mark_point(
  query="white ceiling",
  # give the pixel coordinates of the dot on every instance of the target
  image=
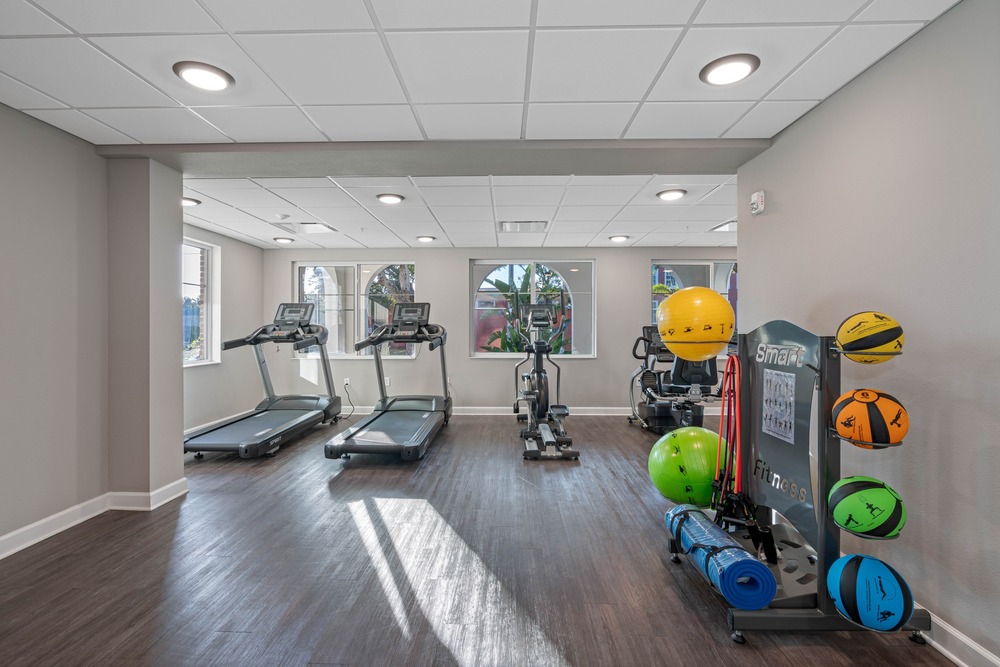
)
(440, 71)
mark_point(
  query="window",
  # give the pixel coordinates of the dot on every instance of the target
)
(352, 299)
(498, 286)
(667, 278)
(198, 319)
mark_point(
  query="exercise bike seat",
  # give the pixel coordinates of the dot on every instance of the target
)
(558, 411)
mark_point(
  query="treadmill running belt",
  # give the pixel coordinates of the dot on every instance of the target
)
(392, 428)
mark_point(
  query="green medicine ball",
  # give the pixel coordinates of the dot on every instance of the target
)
(867, 507)
(683, 465)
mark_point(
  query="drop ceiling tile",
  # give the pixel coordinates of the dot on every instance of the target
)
(444, 181)
(724, 195)
(521, 240)
(409, 231)
(634, 227)
(711, 240)
(391, 216)
(222, 215)
(577, 226)
(777, 11)
(578, 121)
(620, 12)
(153, 58)
(660, 213)
(528, 195)
(81, 125)
(344, 216)
(685, 120)
(315, 197)
(463, 214)
(400, 184)
(689, 226)
(472, 240)
(16, 95)
(321, 69)
(404, 14)
(386, 240)
(622, 179)
(279, 214)
(293, 182)
(466, 196)
(121, 16)
(586, 213)
(366, 122)
(525, 213)
(567, 240)
(696, 186)
(597, 65)
(471, 121)
(208, 184)
(447, 67)
(30, 60)
(780, 49)
(599, 195)
(160, 126)
(665, 239)
(240, 15)
(698, 213)
(20, 18)
(768, 118)
(851, 51)
(531, 180)
(368, 196)
(331, 240)
(905, 10)
(261, 124)
(246, 198)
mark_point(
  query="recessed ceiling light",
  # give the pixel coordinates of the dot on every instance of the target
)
(425, 239)
(189, 201)
(729, 69)
(389, 198)
(574, 269)
(206, 77)
(619, 238)
(671, 195)
(283, 239)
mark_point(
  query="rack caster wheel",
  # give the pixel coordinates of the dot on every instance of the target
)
(738, 637)
(917, 638)
(199, 455)
(675, 558)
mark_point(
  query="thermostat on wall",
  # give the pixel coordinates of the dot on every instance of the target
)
(757, 203)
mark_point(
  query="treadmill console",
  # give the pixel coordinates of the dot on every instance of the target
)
(409, 317)
(290, 318)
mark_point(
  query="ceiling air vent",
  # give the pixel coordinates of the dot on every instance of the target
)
(305, 227)
(518, 226)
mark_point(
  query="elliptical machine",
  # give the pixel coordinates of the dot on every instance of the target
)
(544, 436)
(669, 400)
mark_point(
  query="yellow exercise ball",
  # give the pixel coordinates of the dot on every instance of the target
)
(695, 323)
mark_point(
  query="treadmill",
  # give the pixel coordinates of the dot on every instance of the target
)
(403, 425)
(276, 419)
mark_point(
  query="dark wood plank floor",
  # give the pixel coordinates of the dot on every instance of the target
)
(471, 556)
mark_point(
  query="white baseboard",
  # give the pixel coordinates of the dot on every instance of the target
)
(958, 648)
(22, 538)
(508, 410)
(145, 502)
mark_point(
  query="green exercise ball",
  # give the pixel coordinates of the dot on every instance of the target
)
(683, 464)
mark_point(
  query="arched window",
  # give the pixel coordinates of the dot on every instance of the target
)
(499, 288)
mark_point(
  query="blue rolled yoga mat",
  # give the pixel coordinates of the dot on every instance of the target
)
(744, 581)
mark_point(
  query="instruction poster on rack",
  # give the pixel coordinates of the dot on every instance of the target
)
(778, 406)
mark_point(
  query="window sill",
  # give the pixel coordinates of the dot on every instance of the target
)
(198, 364)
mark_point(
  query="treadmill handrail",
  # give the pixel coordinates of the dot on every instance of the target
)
(252, 339)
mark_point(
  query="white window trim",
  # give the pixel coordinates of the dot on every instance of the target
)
(359, 305)
(213, 288)
(474, 289)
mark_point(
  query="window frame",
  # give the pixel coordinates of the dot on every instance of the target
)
(359, 303)
(211, 315)
(591, 322)
(714, 278)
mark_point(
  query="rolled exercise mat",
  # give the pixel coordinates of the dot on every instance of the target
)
(744, 581)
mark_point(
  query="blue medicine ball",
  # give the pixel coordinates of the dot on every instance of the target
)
(869, 593)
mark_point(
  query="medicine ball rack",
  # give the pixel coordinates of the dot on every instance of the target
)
(791, 459)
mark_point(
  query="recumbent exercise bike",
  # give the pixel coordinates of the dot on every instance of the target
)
(669, 400)
(544, 436)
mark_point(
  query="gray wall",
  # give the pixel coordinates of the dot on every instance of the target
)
(53, 294)
(622, 300)
(884, 197)
(218, 390)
